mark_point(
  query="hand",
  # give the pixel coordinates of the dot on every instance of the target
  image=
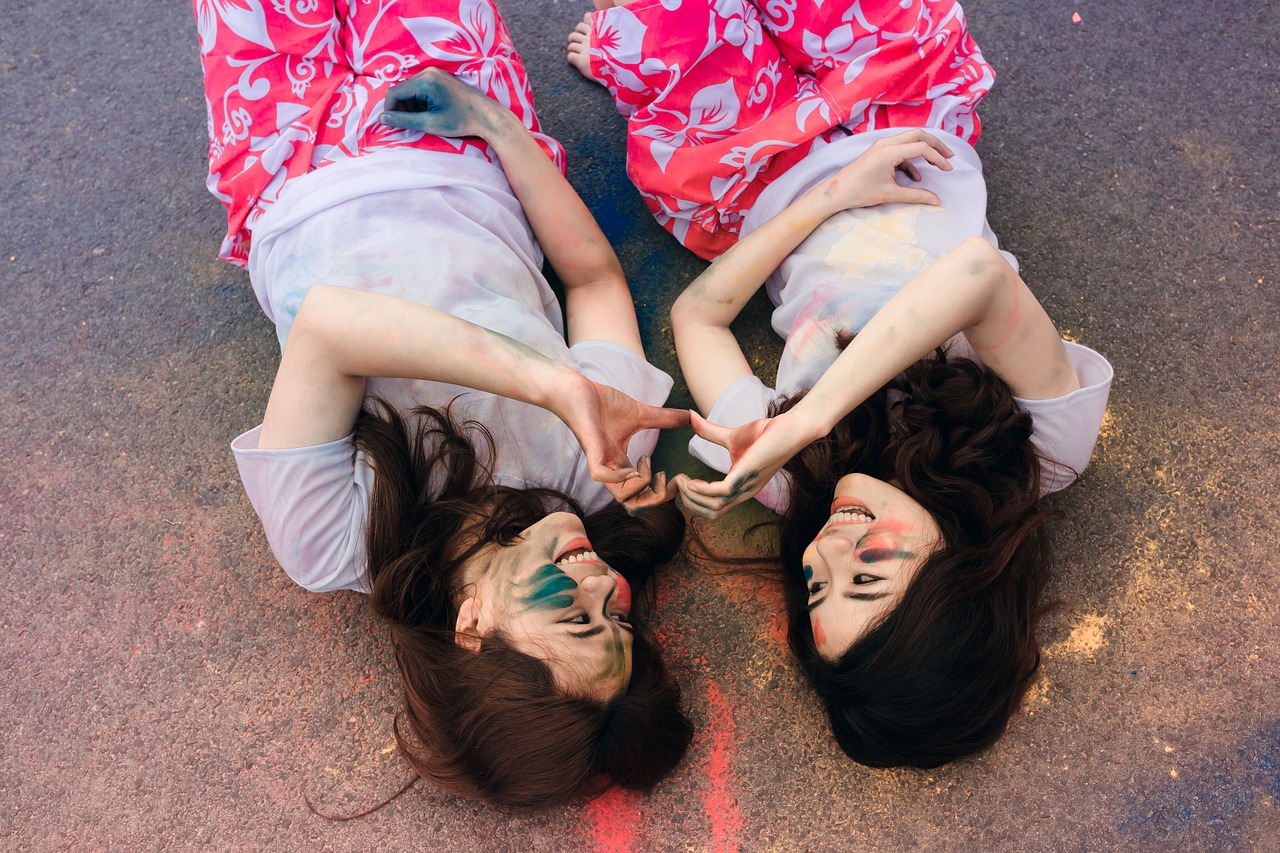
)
(603, 419)
(872, 178)
(646, 489)
(757, 451)
(439, 103)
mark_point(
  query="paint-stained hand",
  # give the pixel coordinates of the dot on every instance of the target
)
(645, 490)
(872, 178)
(439, 103)
(604, 419)
(757, 451)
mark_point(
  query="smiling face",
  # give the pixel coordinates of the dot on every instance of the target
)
(556, 600)
(863, 559)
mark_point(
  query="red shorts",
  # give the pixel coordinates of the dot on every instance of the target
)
(294, 86)
(723, 96)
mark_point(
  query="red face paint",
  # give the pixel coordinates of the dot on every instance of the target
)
(819, 635)
(622, 595)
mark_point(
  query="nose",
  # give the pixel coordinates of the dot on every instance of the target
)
(833, 549)
(601, 582)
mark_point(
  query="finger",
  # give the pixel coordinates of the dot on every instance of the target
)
(908, 195)
(607, 474)
(403, 120)
(697, 507)
(704, 428)
(654, 417)
(927, 152)
(918, 135)
(910, 170)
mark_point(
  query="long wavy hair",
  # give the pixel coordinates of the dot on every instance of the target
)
(492, 724)
(939, 676)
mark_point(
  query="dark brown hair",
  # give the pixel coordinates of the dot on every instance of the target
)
(941, 674)
(492, 724)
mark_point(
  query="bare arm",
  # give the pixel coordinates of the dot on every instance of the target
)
(973, 290)
(599, 305)
(342, 336)
(710, 357)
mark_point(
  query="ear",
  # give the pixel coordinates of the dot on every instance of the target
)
(467, 630)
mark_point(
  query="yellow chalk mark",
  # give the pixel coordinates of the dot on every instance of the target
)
(1087, 637)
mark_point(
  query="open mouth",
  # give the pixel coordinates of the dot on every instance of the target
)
(577, 551)
(847, 511)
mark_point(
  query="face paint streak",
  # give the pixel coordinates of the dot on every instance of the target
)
(879, 555)
(808, 574)
(551, 589)
(819, 635)
(622, 596)
(615, 659)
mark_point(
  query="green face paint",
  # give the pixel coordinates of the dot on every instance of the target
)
(614, 668)
(548, 588)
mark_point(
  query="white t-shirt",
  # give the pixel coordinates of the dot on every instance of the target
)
(444, 231)
(853, 264)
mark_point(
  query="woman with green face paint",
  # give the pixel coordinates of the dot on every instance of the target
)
(439, 434)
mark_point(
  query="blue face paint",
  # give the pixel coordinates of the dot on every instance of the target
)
(808, 574)
(549, 589)
(876, 555)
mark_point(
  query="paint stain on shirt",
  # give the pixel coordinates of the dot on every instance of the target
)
(868, 243)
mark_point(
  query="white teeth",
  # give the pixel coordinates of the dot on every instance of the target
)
(851, 514)
(584, 557)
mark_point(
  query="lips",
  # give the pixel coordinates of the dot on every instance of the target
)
(576, 551)
(853, 507)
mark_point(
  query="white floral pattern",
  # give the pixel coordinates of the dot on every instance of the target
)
(713, 119)
(292, 86)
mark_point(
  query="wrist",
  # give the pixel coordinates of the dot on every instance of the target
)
(810, 420)
(552, 385)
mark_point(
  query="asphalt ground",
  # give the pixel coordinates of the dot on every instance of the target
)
(165, 686)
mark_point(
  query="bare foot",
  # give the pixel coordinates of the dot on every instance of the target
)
(579, 47)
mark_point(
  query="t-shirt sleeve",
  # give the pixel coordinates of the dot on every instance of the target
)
(618, 367)
(1065, 429)
(313, 502)
(742, 402)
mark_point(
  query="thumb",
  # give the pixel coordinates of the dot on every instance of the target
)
(403, 120)
(714, 433)
(654, 417)
(910, 195)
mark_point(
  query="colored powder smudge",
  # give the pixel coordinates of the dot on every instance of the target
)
(615, 820)
(719, 802)
(551, 589)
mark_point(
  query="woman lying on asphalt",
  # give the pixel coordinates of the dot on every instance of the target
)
(419, 442)
(924, 401)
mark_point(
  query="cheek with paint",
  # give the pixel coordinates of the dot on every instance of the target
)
(819, 635)
(622, 596)
(547, 589)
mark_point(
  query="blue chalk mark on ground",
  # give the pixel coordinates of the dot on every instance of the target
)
(1212, 808)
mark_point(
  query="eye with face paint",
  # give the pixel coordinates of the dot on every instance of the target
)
(555, 599)
(860, 564)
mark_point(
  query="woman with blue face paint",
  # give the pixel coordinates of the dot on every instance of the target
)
(924, 400)
(437, 435)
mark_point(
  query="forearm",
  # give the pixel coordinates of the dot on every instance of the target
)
(341, 336)
(710, 356)
(716, 297)
(969, 286)
(565, 228)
